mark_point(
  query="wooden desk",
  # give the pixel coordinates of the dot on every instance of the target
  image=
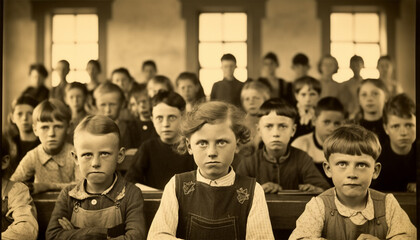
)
(284, 208)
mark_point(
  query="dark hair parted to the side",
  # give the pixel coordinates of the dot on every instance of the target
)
(149, 63)
(65, 62)
(352, 140)
(50, 110)
(273, 57)
(95, 63)
(170, 98)
(329, 104)
(313, 83)
(122, 71)
(300, 59)
(138, 89)
(280, 106)
(108, 87)
(24, 100)
(163, 80)
(325, 57)
(76, 85)
(356, 59)
(98, 125)
(40, 68)
(401, 106)
(213, 112)
(228, 57)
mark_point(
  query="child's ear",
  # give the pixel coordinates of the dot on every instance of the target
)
(377, 170)
(34, 129)
(121, 155)
(188, 144)
(11, 118)
(74, 155)
(293, 129)
(386, 128)
(327, 169)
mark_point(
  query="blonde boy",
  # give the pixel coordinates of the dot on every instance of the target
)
(351, 210)
(103, 205)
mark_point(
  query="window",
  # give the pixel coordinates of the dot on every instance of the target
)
(355, 34)
(75, 39)
(221, 33)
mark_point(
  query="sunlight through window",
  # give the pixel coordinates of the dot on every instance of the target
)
(221, 33)
(75, 39)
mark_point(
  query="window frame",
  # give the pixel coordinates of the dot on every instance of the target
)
(255, 10)
(42, 12)
(388, 10)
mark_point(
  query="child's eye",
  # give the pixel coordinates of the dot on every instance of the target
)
(105, 154)
(202, 143)
(87, 155)
(269, 126)
(44, 127)
(326, 122)
(173, 118)
(341, 164)
(283, 126)
(159, 118)
(361, 165)
(222, 143)
(395, 126)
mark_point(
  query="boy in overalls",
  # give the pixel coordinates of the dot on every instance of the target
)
(351, 210)
(103, 205)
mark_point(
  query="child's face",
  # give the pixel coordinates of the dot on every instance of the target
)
(187, 89)
(385, 67)
(269, 67)
(36, 79)
(327, 122)
(166, 120)
(148, 72)
(300, 70)
(154, 87)
(122, 80)
(356, 66)
(52, 135)
(62, 70)
(109, 104)
(371, 98)
(132, 106)
(22, 117)
(276, 131)
(141, 105)
(228, 68)
(307, 97)
(97, 156)
(252, 100)
(213, 148)
(401, 131)
(92, 71)
(351, 174)
(328, 66)
(75, 99)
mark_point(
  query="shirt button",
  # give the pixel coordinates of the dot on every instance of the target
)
(94, 202)
(144, 127)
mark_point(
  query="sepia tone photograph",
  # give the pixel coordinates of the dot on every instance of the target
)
(209, 119)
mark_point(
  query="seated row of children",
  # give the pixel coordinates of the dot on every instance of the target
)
(213, 202)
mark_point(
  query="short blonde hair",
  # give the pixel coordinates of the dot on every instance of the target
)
(50, 110)
(258, 86)
(98, 125)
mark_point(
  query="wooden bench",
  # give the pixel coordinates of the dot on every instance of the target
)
(284, 208)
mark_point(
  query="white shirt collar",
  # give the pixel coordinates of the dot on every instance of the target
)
(366, 214)
(227, 180)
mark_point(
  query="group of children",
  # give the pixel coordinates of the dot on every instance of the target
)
(213, 160)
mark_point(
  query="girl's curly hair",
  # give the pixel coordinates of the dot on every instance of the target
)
(212, 113)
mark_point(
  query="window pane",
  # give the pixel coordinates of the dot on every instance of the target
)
(343, 74)
(238, 50)
(366, 27)
(80, 75)
(210, 27)
(370, 54)
(234, 27)
(84, 52)
(369, 73)
(210, 54)
(341, 27)
(208, 77)
(63, 28)
(241, 74)
(63, 51)
(342, 52)
(87, 28)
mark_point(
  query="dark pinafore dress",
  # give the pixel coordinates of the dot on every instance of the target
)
(207, 212)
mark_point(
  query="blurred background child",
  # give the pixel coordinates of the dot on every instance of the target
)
(157, 83)
(327, 67)
(300, 65)
(37, 77)
(348, 89)
(75, 97)
(148, 71)
(189, 87)
(18, 213)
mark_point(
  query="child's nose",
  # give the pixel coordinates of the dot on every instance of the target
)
(51, 132)
(166, 122)
(96, 162)
(351, 173)
(212, 151)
